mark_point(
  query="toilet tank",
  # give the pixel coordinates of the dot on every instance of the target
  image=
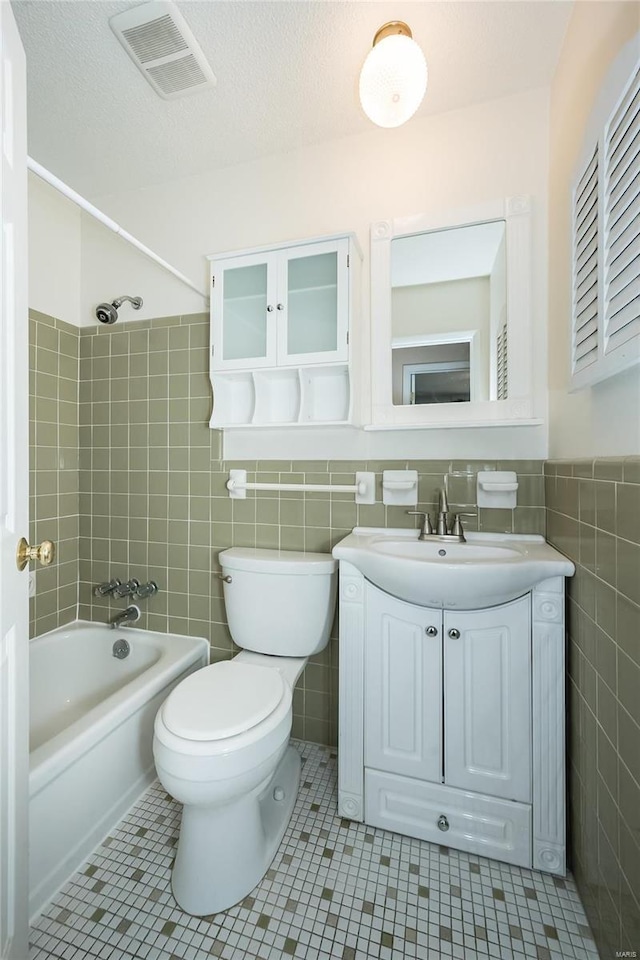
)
(279, 602)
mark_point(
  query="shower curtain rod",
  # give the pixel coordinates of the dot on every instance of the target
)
(106, 221)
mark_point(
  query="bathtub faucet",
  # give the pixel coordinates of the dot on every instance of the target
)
(127, 589)
(130, 615)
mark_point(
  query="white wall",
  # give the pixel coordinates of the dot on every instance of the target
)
(54, 253)
(450, 307)
(454, 160)
(449, 161)
(111, 267)
(603, 420)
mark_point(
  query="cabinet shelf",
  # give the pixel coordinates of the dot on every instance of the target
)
(295, 396)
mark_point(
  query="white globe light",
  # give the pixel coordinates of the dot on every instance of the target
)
(393, 81)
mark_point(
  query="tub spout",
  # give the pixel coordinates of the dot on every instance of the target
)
(130, 615)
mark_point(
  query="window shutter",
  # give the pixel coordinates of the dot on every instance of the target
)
(622, 220)
(585, 267)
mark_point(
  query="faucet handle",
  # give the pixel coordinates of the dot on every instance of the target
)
(127, 589)
(427, 527)
(104, 589)
(147, 589)
(456, 529)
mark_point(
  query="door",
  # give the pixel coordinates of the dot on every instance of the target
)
(403, 687)
(243, 312)
(14, 486)
(487, 700)
(312, 311)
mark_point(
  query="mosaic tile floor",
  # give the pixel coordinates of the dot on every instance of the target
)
(336, 889)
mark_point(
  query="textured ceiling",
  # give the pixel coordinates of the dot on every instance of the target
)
(287, 76)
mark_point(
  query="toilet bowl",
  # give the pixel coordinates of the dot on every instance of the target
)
(221, 739)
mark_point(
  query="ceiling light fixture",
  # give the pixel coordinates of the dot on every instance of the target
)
(393, 79)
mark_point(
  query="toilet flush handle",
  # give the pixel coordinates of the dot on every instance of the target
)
(226, 579)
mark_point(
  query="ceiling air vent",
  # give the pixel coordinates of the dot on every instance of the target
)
(158, 40)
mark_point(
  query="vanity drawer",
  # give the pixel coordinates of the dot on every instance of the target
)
(478, 824)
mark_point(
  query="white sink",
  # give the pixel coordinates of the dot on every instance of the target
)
(486, 570)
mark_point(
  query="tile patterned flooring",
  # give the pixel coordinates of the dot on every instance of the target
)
(336, 889)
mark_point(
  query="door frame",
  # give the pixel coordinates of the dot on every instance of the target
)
(14, 496)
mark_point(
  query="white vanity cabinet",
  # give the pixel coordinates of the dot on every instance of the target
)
(487, 700)
(403, 699)
(452, 721)
(280, 334)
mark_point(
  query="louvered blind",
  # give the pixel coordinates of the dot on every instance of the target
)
(502, 363)
(585, 267)
(622, 220)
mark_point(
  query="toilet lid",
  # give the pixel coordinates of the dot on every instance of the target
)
(222, 700)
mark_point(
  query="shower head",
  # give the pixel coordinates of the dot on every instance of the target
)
(108, 312)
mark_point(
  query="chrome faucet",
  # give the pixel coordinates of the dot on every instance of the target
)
(130, 615)
(442, 531)
(443, 510)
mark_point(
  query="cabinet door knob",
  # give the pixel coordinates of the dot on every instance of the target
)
(454, 634)
(281, 306)
(270, 308)
(443, 823)
(431, 631)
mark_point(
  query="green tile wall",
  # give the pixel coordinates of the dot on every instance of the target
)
(127, 478)
(53, 450)
(154, 505)
(594, 518)
(149, 490)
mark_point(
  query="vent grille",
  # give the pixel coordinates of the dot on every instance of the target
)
(159, 38)
(160, 43)
(585, 267)
(622, 220)
(178, 75)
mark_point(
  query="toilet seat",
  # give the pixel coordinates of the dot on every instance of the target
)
(223, 700)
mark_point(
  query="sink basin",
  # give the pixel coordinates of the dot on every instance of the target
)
(486, 570)
(436, 552)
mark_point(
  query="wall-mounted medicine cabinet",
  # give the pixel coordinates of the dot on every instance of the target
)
(280, 332)
(451, 326)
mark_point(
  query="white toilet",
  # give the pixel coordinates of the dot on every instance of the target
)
(221, 738)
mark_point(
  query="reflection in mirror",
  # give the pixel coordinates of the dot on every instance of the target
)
(449, 315)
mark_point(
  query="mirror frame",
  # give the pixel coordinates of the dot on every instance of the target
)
(516, 212)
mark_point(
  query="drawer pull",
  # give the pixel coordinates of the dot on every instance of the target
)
(443, 823)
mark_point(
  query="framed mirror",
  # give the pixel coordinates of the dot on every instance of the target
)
(451, 318)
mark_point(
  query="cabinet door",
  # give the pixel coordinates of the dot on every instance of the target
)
(313, 303)
(403, 687)
(243, 312)
(487, 700)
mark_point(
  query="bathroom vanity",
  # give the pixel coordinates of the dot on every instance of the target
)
(452, 708)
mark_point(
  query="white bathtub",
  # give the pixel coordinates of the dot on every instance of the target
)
(91, 737)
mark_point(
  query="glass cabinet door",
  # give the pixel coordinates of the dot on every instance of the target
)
(312, 308)
(242, 308)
